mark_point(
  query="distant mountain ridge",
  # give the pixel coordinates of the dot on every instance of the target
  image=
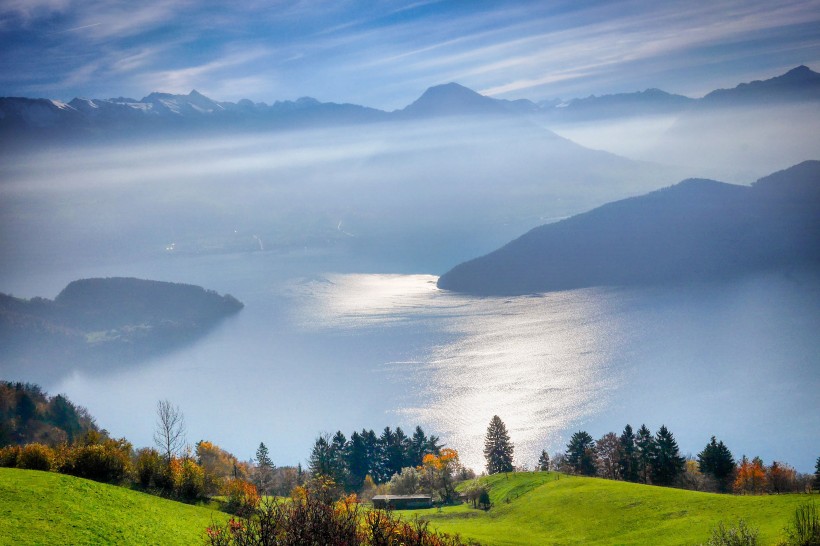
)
(697, 230)
(20, 114)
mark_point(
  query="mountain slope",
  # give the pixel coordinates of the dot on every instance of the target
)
(695, 230)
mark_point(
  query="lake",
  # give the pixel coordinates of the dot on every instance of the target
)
(325, 344)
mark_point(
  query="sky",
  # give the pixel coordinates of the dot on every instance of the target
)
(384, 54)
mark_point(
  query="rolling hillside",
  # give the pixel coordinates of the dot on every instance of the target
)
(48, 508)
(545, 508)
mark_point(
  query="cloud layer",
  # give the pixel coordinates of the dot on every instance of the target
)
(384, 54)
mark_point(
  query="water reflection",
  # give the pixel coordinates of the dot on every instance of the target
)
(541, 363)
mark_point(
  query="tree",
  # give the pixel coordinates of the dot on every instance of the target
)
(498, 450)
(320, 462)
(169, 430)
(751, 476)
(608, 451)
(264, 468)
(544, 461)
(645, 447)
(716, 461)
(357, 463)
(667, 463)
(817, 474)
(781, 477)
(580, 454)
(338, 458)
(628, 455)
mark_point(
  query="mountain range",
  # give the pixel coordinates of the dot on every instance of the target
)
(697, 230)
(40, 116)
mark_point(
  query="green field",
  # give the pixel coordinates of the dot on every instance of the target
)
(528, 508)
(544, 508)
(54, 509)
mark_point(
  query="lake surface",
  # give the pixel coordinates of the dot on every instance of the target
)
(320, 347)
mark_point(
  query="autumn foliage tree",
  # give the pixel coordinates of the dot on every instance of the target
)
(751, 477)
(439, 473)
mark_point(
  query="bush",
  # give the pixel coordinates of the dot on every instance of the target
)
(742, 535)
(243, 498)
(309, 519)
(148, 467)
(109, 462)
(9, 456)
(36, 457)
(190, 481)
(805, 526)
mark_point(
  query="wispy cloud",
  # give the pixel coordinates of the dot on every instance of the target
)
(382, 53)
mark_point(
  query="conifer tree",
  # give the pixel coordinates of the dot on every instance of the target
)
(645, 447)
(628, 461)
(264, 468)
(817, 474)
(498, 450)
(716, 460)
(667, 464)
(357, 463)
(263, 456)
(544, 461)
(320, 462)
(581, 454)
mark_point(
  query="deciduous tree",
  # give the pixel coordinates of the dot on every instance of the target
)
(608, 451)
(169, 430)
(751, 476)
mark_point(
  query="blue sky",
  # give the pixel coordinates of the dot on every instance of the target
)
(386, 53)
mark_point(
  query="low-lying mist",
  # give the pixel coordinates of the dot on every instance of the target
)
(738, 144)
(417, 196)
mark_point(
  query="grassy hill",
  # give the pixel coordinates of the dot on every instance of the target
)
(545, 508)
(48, 508)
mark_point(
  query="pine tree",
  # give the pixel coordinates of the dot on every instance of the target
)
(667, 464)
(498, 450)
(263, 457)
(645, 447)
(716, 460)
(544, 461)
(628, 461)
(264, 468)
(338, 459)
(817, 475)
(357, 463)
(320, 462)
(581, 454)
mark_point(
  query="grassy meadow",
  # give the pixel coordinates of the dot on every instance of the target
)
(51, 509)
(529, 508)
(542, 508)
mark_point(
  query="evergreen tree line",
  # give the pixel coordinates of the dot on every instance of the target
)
(349, 461)
(642, 457)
